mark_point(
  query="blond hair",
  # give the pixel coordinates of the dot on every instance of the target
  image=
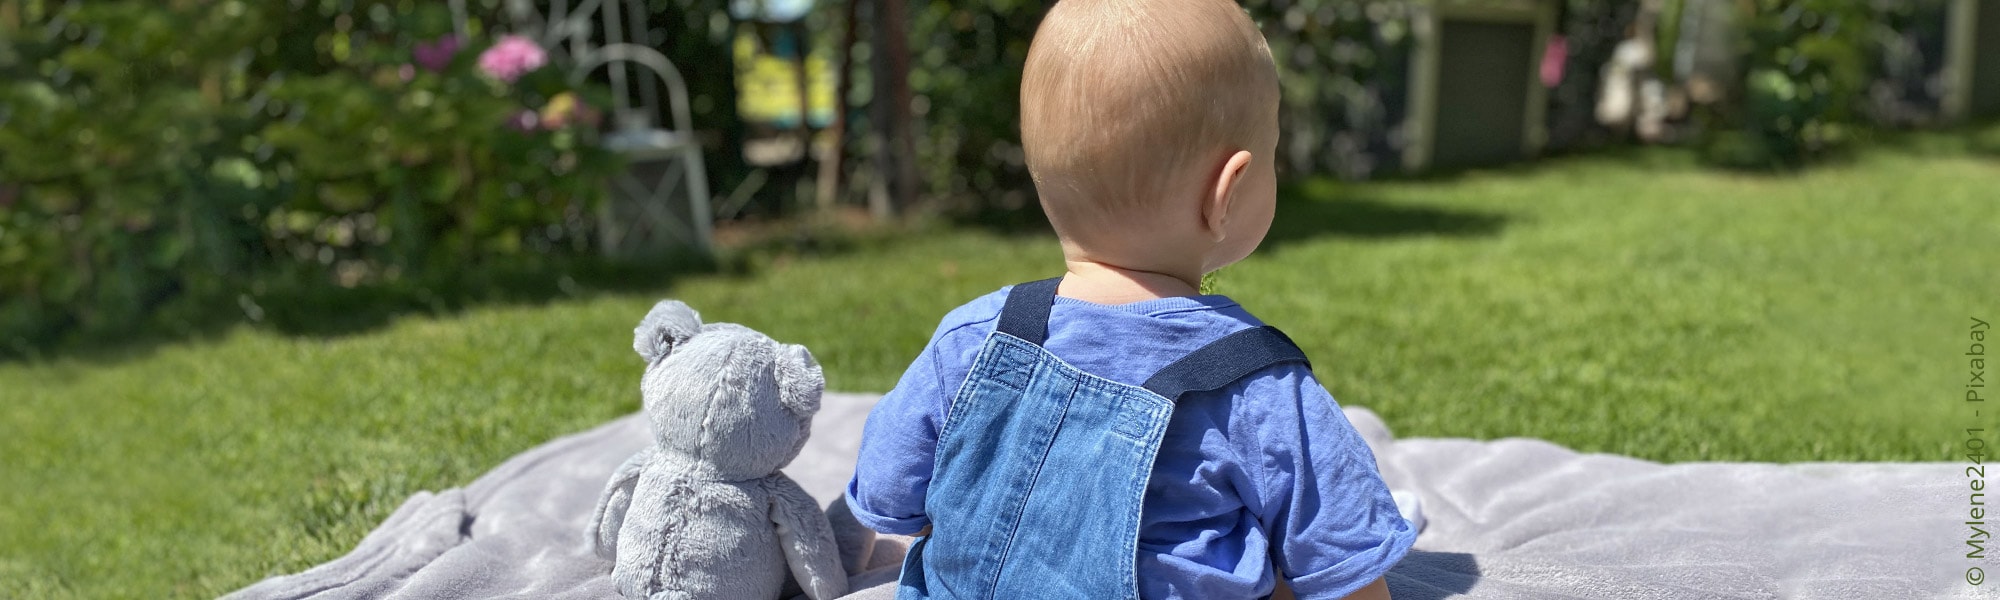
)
(1118, 94)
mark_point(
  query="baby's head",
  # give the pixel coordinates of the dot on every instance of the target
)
(1149, 127)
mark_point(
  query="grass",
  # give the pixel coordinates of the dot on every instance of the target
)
(1632, 304)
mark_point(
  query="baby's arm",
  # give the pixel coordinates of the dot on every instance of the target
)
(898, 449)
(1334, 528)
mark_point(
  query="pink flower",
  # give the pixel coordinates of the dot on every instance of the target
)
(435, 55)
(510, 57)
(406, 73)
(1554, 57)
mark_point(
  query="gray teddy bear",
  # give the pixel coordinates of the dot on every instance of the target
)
(704, 512)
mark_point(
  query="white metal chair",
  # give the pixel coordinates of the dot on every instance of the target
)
(665, 158)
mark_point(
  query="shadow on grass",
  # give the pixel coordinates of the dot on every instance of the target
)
(308, 303)
(1322, 208)
(1363, 218)
(321, 309)
(1306, 209)
(1975, 139)
(1980, 139)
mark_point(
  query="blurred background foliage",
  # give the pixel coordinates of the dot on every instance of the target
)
(1344, 68)
(1810, 67)
(965, 75)
(1814, 73)
(165, 157)
(167, 163)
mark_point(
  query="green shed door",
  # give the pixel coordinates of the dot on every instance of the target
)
(1985, 101)
(1482, 94)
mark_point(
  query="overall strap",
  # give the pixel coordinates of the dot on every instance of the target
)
(1226, 360)
(1026, 314)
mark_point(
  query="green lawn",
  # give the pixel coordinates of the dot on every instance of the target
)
(1635, 305)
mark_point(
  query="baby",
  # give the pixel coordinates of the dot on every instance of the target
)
(1113, 433)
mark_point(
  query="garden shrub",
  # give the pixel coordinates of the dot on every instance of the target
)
(1809, 67)
(1344, 70)
(161, 153)
(1342, 63)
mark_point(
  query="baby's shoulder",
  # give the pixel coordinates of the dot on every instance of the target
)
(979, 313)
(1279, 396)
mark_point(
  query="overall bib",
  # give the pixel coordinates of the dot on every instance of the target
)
(1041, 467)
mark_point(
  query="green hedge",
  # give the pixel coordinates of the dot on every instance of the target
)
(162, 156)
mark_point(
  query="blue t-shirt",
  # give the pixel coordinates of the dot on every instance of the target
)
(1264, 472)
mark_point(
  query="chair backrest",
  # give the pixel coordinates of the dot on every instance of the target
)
(615, 44)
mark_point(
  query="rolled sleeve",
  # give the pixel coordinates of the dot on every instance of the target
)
(885, 524)
(1358, 570)
(898, 451)
(1334, 525)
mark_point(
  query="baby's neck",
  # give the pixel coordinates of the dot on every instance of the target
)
(1105, 283)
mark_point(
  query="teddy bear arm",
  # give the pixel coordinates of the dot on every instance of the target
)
(806, 538)
(612, 504)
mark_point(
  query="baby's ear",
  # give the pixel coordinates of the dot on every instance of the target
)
(800, 381)
(667, 326)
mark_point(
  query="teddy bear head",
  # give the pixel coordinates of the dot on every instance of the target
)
(723, 399)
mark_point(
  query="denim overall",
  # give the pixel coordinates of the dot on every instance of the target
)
(1041, 467)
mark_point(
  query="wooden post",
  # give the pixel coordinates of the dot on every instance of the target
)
(10, 17)
(797, 31)
(905, 132)
(830, 167)
(895, 164)
(1960, 26)
(1421, 117)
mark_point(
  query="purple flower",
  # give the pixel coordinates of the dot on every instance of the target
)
(523, 121)
(436, 54)
(510, 57)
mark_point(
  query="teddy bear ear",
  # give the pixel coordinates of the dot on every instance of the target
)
(800, 381)
(670, 324)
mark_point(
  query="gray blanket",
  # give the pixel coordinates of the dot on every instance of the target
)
(1510, 518)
